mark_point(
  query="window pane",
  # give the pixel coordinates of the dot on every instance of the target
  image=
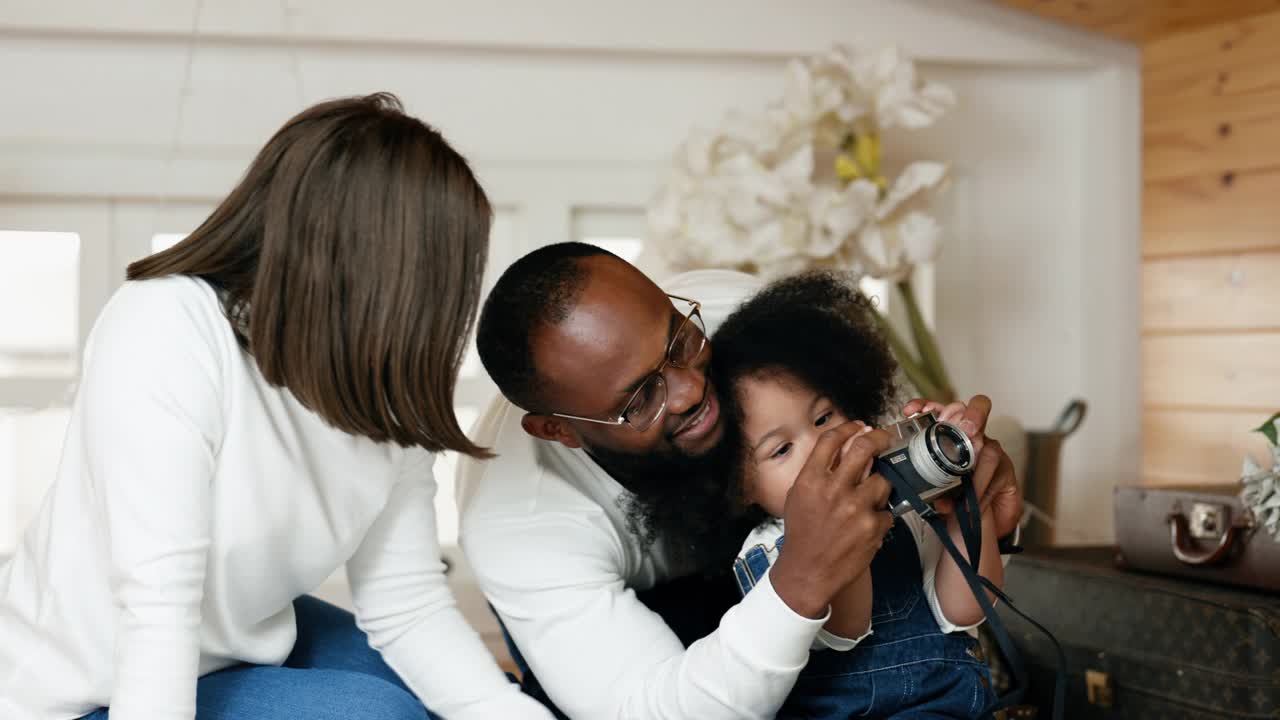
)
(30, 449)
(627, 248)
(164, 241)
(620, 231)
(39, 298)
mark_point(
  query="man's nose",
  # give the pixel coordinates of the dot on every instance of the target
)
(685, 388)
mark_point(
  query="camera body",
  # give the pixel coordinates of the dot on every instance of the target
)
(932, 456)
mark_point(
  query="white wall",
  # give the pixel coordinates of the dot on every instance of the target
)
(1037, 287)
(571, 107)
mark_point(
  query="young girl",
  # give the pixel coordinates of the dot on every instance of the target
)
(799, 358)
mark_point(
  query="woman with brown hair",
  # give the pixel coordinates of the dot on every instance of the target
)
(261, 405)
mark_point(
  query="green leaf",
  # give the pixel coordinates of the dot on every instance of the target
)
(1268, 428)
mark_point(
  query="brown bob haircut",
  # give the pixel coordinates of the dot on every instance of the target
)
(348, 259)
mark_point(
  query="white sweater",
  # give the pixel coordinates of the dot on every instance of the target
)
(193, 504)
(550, 546)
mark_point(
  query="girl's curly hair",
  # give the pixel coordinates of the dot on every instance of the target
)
(818, 329)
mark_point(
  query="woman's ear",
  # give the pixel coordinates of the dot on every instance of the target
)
(550, 428)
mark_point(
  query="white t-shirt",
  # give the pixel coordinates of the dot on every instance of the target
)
(542, 527)
(193, 504)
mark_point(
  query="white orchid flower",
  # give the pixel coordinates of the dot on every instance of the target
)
(901, 99)
(899, 236)
(836, 215)
(762, 191)
(912, 182)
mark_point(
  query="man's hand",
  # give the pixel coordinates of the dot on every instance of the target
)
(836, 517)
(1001, 496)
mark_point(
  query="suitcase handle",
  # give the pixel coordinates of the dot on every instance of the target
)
(1180, 537)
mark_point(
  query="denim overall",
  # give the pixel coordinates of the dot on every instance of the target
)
(907, 668)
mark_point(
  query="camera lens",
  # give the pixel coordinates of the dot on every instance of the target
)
(950, 447)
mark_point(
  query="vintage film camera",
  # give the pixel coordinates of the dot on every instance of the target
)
(932, 456)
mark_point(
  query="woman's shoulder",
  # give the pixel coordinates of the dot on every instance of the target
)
(169, 311)
(172, 300)
(158, 344)
(169, 290)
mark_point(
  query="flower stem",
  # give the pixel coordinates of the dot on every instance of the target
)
(907, 361)
(930, 356)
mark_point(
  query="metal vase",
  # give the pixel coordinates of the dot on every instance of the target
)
(1040, 483)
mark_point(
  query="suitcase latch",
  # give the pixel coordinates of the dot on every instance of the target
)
(1097, 685)
(1208, 521)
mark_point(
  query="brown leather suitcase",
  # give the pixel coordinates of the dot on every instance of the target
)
(1141, 646)
(1195, 531)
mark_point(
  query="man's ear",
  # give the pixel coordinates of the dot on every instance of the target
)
(551, 428)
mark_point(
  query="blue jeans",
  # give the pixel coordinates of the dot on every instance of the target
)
(332, 674)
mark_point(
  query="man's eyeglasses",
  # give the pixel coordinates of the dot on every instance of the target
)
(647, 404)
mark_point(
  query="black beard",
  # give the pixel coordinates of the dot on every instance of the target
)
(693, 503)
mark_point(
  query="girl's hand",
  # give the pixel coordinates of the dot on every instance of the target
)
(954, 414)
(999, 492)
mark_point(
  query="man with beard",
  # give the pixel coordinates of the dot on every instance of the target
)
(608, 430)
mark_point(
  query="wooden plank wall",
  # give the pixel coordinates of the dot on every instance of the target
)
(1211, 247)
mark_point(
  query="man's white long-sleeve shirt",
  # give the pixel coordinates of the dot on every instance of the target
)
(542, 527)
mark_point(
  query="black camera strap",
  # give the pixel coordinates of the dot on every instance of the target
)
(969, 517)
